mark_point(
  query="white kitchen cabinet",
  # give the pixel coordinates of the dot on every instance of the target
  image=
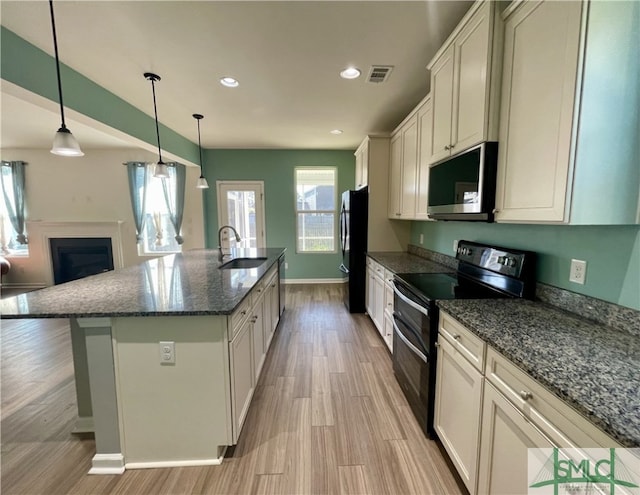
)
(362, 164)
(518, 414)
(382, 234)
(395, 177)
(376, 295)
(259, 343)
(458, 401)
(425, 129)
(242, 376)
(409, 171)
(465, 78)
(506, 436)
(272, 300)
(569, 135)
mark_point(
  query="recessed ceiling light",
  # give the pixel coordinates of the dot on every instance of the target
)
(336, 131)
(229, 82)
(350, 73)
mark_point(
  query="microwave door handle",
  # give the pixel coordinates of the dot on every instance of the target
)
(412, 347)
(414, 305)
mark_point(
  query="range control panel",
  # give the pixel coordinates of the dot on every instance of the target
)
(505, 261)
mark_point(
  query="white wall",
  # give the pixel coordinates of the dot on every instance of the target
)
(92, 188)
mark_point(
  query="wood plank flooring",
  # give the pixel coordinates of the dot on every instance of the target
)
(327, 417)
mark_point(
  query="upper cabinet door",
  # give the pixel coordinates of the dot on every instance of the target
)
(424, 153)
(395, 176)
(409, 165)
(362, 165)
(541, 52)
(465, 83)
(442, 99)
(470, 90)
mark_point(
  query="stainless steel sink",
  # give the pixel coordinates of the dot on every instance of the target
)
(239, 263)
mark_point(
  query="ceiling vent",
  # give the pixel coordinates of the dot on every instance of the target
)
(379, 73)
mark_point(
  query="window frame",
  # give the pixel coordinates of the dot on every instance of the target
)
(8, 227)
(333, 212)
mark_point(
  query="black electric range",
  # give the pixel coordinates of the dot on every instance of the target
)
(484, 272)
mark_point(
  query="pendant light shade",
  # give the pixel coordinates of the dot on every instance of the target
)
(64, 144)
(161, 171)
(202, 181)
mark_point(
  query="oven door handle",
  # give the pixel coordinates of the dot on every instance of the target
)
(413, 348)
(414, 305)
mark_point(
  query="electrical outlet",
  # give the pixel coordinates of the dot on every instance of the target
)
(455, 246)
(167, 352)
(286, 265)
(578, 272)
(421, 239)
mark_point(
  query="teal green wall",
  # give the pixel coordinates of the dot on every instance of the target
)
(276, 169)
(33, 69)
(612, 253)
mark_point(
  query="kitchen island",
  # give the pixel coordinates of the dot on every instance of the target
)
(166, 353)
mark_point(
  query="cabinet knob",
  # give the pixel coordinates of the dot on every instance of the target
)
(494, 211)
(456, 337)
(437, 344)
(447, 147)
(243, 313)
(524, 395)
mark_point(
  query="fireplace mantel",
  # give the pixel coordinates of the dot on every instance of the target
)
(41, 232)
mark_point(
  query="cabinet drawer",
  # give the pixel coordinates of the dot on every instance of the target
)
(468, 344)
(559, 421)
(236, 319)
(377, 269)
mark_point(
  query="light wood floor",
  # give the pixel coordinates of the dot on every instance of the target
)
(327, 417)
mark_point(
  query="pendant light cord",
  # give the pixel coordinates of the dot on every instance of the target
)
(199, 147)
(55, 49)
(155, 110)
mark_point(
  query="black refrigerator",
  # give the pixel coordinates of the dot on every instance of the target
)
(353, 243)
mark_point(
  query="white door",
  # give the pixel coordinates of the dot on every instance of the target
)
(241, 205)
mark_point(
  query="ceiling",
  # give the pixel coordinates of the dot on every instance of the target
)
(286, 55)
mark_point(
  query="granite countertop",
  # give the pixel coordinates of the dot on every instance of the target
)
(188, 283)
(594, 368)
(400, 262)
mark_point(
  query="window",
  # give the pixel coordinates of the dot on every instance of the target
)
(158, 207)
(12, 210)
(315, 210)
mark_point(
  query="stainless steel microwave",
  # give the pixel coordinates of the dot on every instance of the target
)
(463, 187)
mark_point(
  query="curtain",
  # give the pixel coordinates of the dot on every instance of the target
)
(13, 195)
(174, 197)
(138, 177)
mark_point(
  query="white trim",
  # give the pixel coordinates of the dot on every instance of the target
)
(256, 186)
(84, 424)
(107, 464)
(168, 464)
(315, 280)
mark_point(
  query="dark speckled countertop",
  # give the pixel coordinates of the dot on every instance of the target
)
(189, 283)
(400, 262)
(594, 368)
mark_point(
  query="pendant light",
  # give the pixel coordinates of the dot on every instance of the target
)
(202, 181)
(161, 169)
(64, 144)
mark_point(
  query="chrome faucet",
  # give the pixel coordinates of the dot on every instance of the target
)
(238, 239)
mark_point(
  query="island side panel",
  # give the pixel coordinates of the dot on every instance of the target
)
(84, 423)
(173, 414)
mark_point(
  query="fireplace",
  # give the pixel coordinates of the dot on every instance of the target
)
(78, 257)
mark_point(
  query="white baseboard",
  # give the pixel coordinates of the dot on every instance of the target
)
(288, 281)
(166, 464)
(107, 464)
(84, 424)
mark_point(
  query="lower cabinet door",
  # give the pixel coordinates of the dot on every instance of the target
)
(457, 410)
(259, 347)
(242, 378)
(506, 436)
